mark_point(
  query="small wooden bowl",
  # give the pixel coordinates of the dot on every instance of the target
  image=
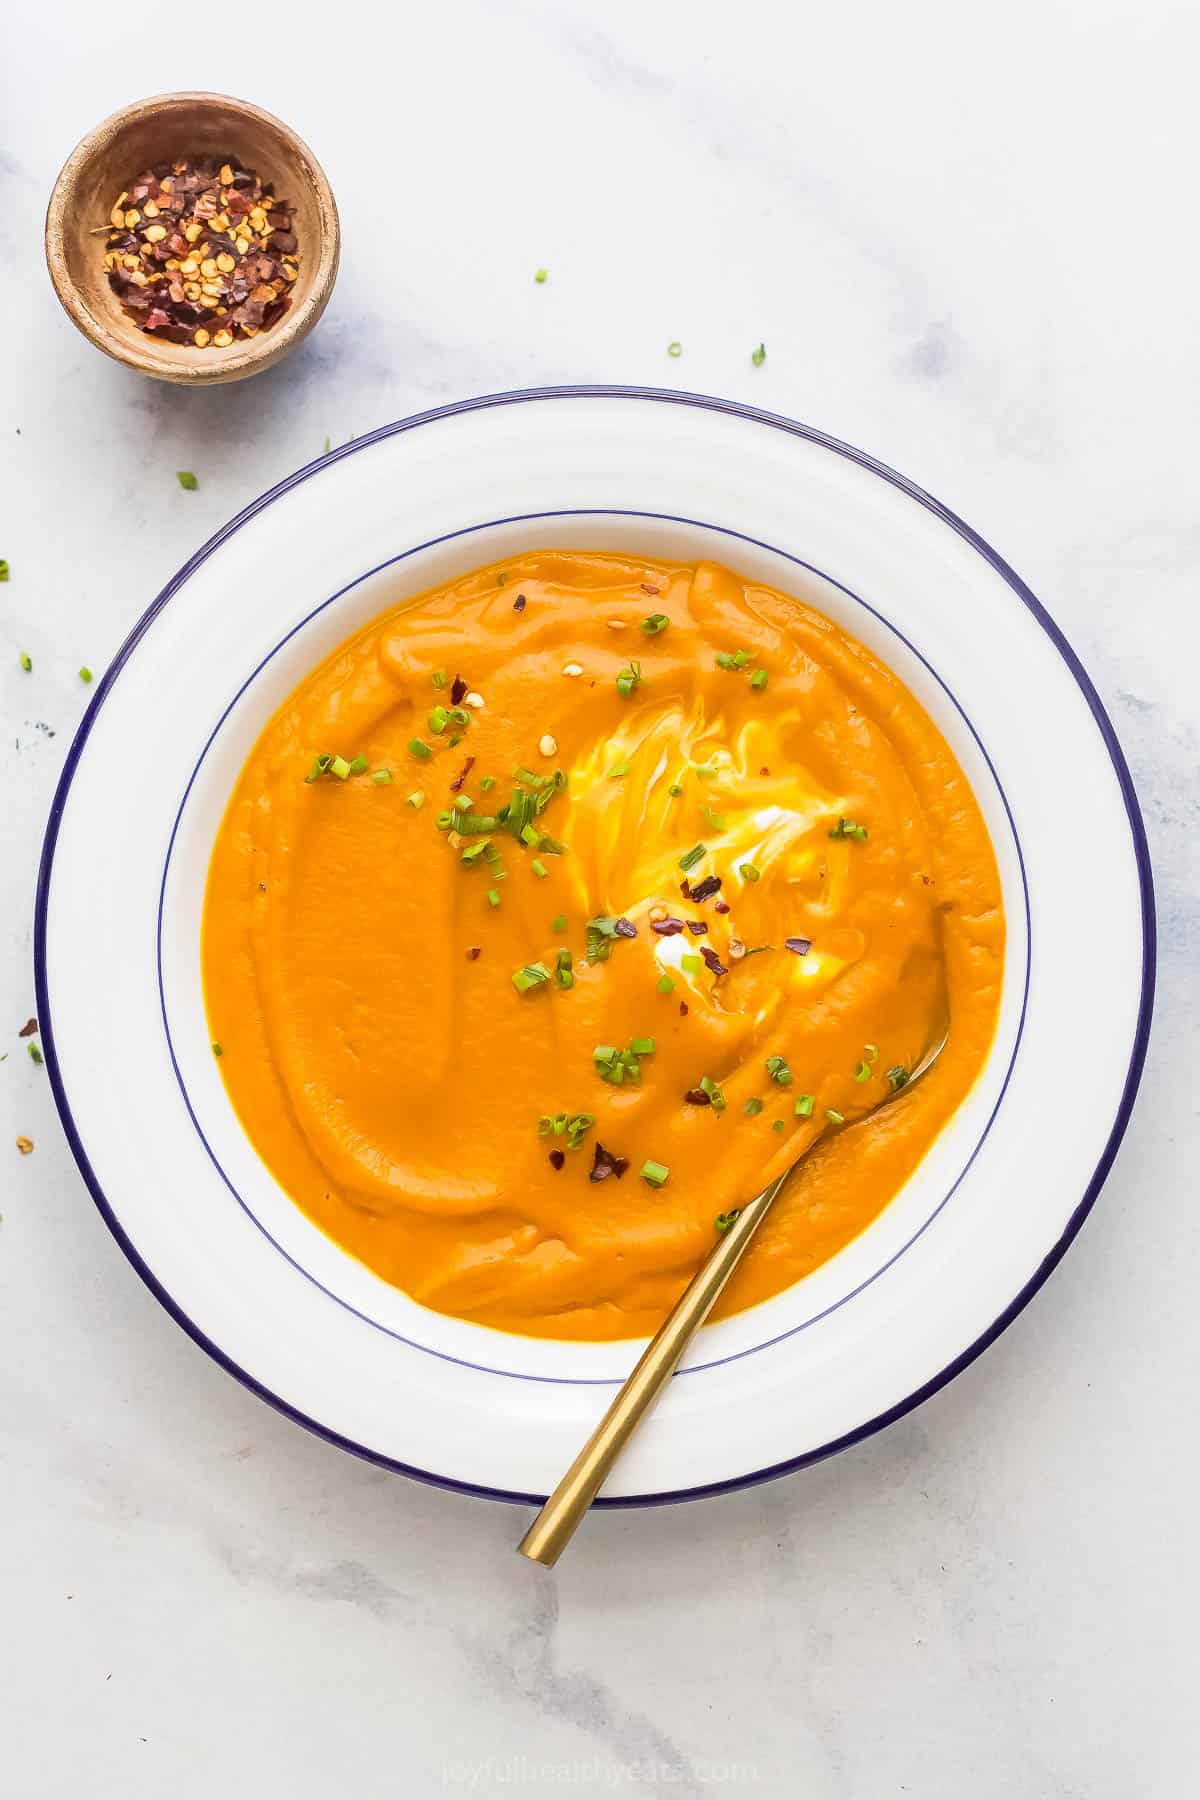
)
(162, 130)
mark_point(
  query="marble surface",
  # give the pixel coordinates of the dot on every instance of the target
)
(967, 240)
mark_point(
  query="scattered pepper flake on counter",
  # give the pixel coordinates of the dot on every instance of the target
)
(201, 255)
(25, 1145)
(29, 1029)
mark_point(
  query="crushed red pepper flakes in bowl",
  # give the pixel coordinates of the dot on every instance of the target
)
(605, 1163)
(201, 255)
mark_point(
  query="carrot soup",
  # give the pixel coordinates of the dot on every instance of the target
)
(564, 905)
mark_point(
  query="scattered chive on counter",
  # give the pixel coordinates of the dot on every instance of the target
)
(187, 480)
(26, 661)
(85, 674)
(759, 356)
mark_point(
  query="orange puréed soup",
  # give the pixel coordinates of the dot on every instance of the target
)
(564, 905)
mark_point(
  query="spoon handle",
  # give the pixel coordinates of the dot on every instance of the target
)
(554, 1526)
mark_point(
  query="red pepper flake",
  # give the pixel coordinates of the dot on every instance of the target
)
(722, 906)
(604, 1164)
(201, 254)
(667, 927)
(683, 1009)
(519, 603)
(647, 589)
(625, 928)
(473, 952)
(697, 927)
(713, 960)
(685, 888)
(704, 890)
(456, 784)
(697, 1097)
(800, 946)
(764, 771)
(458, 689)
(29, 1029)
(558, 1158)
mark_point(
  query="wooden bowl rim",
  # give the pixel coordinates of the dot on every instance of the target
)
(210, 365)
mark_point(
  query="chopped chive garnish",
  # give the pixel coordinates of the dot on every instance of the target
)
(707, 771)
(444, 819)
(533, 975)
(804, 1106)
(748, 872)
(472, 823)
(715, 1092)
(897, 1077)
(778, 1070)
(758, 357)
(85, 674)
(486, 783)
(321, 766)
(847, 828)
(753, 1107)
(437, 720)
(862, 1070)
(359, 765)
(723, 1221)
(26, 661)
(493, 898)
(187, 480)
(665, 985)
(454, 742)
(629, 679)
(539, 869)
(217, 1050)
(382, 777)
(617, 770)
(340, 767)
(529, 778)
(654, 623)
(531, 836)
(601, 934)
(642, 1046)
(439, 678)
(715, 821)
(778, 1125)
(473, 852)
(419, 749)
(759, 679)
(675, 348)
(417, 800)
(577, 1127)
(558, 923)
(461, 803)
(691, 857)
(733, 659)
(458, 715)
(655, 1173)
(563, 972)
(691, 965)
(674, 790)
(835, 1118)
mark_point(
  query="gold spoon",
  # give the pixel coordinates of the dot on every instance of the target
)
(555, 1525)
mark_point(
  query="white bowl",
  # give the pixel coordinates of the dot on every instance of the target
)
(896, 1313)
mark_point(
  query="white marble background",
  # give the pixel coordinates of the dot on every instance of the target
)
(968, 237)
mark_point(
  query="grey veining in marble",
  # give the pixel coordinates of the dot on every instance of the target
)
(966, 237)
